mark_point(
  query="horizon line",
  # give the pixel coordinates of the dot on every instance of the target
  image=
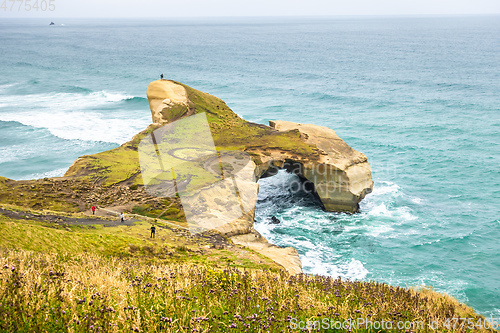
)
(260, 16)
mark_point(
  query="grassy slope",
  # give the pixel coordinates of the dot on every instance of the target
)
(91, 293)
(170, 244)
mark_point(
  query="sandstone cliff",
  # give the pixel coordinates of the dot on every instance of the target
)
(341, 175)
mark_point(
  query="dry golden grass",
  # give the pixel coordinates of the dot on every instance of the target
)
(90, 293)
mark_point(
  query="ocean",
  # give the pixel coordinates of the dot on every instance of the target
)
(419, 96)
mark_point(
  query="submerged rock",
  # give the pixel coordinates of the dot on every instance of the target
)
(275, 220)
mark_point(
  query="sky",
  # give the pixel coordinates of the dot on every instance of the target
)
(218, 8)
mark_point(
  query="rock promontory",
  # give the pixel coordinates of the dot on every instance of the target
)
(337, 175)
(341, 175)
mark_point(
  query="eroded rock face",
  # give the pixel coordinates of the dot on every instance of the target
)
(341, 176)
(168, 101)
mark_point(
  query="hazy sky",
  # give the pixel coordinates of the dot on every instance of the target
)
(196, 8)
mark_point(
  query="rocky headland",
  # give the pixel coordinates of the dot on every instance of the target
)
(338, 175)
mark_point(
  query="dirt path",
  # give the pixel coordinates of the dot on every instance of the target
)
(64, 219)
(214, 238)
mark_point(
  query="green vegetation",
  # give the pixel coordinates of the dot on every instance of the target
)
(171, 213)
(91, 293)
(113, 166)
(115, 240)
(42, 193)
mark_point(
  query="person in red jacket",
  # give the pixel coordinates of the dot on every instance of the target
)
(93, 210)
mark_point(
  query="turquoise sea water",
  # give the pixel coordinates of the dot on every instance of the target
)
(418, 96)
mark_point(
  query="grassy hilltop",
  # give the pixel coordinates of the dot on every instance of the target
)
(62, 269)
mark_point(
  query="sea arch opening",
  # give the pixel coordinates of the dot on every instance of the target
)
(282, 186)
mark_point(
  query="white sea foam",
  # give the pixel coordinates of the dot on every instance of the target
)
(379, 203)
(63, 101)
(398, 213)
(380, 210)
(381, 229)
(384, 187)
(68, 116)
(353, 269)
(18, 152)
(89, 126)
(48, 174)
(417, 200)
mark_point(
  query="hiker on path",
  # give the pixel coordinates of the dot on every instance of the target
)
(122, 217)
(93, 210)
(161, 76)
(153, 230)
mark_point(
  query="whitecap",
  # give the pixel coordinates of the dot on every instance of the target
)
(376, 231)
(380, 210)
(63, 101)
(66, 116)
(417, 200)
(353, 269)
(88, 126)
(385, 187)
(405, 214)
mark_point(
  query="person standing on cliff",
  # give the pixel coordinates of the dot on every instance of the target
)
(153, 230)
(161, 76)
(93, 210)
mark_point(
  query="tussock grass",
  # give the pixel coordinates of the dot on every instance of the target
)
(90, 293)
